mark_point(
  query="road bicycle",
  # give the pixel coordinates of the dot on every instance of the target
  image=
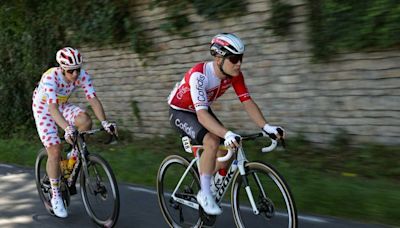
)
(98, 186)
(260, 197)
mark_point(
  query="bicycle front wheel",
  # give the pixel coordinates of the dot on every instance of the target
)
(176, 212)
(271, 194)
(99, 191)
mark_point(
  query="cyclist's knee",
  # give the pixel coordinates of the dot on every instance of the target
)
(54, 152)
(211, 140)
(83, 121)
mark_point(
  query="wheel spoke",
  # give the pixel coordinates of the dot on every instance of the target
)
(271, 195)
(100, 191)
(176, 213)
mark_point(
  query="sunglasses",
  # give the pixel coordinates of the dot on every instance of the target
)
(235, 58)
(72, 71)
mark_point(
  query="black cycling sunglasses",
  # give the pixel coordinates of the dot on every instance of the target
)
(235, 58)
(72, 71)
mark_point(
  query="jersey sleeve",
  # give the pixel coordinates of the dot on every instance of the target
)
(85, 82)
(49, 82)
(240, 88)
(198, 82)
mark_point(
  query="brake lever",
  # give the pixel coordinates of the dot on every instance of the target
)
(282, 140)
(113, 139)
(280, 132)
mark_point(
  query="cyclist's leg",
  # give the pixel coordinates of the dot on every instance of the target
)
(53, 171)
(53, 167)
(207, 166)
(207, 160)
(187, 124)
(47, 131)
(83, 121)
(77, 117)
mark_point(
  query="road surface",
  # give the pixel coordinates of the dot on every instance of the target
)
(20, 207)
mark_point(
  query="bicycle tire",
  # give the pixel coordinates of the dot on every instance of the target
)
(277, 207)
(170, 172)
(43, 183)
(103, 189)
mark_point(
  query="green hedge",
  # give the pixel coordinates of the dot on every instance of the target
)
(353, 25)
(178, 22)
(32, 31)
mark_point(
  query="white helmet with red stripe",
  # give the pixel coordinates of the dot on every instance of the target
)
(225, 44)
(69, 58)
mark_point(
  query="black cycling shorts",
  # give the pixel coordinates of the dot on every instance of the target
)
(187, 124)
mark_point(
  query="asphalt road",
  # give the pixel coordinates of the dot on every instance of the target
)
(20, 207)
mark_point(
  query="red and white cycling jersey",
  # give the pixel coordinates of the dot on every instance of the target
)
(200, 87)
(52, 89)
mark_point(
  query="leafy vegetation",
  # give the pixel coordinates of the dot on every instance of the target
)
(342, 26)
(281, 14)
(178, 19)
(32, 31)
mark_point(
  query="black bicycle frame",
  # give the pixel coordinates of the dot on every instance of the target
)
(80, 145)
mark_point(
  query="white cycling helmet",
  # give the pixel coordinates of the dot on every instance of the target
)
(69, 58)
(226, 44)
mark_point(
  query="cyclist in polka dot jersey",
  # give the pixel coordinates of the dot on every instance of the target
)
(50, 108)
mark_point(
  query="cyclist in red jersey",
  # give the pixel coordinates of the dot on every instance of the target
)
(50, 108)
(191, 115)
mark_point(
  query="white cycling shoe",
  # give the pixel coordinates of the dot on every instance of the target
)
(207, 202)
(58, 207)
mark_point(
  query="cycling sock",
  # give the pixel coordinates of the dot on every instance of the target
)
(55, 187)
(205, 182)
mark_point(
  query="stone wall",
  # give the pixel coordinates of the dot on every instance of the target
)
(356, 92)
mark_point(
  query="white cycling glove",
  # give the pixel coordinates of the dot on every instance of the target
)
(69, 134)
(110, 128)
(230, 140)
(272, 131)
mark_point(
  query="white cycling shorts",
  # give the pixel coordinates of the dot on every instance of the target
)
(46, 126)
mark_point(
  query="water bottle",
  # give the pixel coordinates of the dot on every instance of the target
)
(71, 163)
(64, 168)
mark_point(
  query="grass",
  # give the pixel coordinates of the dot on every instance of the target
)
(355, 183)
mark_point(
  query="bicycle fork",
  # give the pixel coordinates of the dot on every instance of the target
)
(241, 161)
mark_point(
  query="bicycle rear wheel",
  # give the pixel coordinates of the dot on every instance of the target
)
(271, 194)
(175, 213)
(43, 183)
(99, 191)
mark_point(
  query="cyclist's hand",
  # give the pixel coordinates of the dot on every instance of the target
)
(69, 134)
(110, 128)
(274, 132)
(230, 140)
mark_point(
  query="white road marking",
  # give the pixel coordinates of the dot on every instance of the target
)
(301, 217)
(6, 166)
(12, 221)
